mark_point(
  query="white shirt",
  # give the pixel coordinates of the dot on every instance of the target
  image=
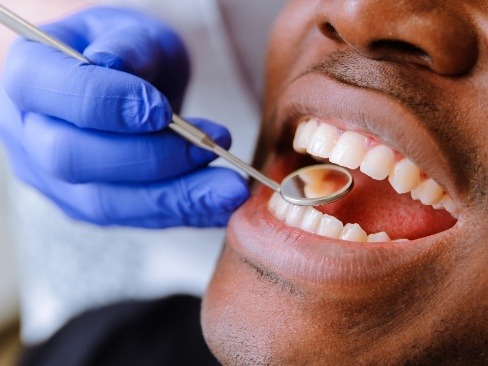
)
(68, 267)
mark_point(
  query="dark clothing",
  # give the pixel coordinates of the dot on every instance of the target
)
(165, 332)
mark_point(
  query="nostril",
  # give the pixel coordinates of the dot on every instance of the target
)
(399, 47)
(434, 34)
(400, 50)
(329, 31)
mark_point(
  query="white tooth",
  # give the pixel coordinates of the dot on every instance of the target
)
(298, 139)
(311, 220)
(330, 226)
(350, 150)
(303, 135)
(294, 215)
(354, 232)
(404, 176)
(323, 140)
(273, 201)
(429, 192)
(437, 206)
(378, 162)
(282, 209)
(414, 195)
(378, 238)
(449, 205)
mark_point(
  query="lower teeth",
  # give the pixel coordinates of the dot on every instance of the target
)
(313, 221)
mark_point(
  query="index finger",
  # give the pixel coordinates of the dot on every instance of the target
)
(41, 79)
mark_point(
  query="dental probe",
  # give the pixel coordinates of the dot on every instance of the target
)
(299, 187)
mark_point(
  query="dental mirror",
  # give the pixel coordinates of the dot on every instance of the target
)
(310, 186)
(316, 185)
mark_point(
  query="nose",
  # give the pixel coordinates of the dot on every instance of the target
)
(432, 33)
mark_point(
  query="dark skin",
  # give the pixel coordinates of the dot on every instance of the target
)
(425, 65)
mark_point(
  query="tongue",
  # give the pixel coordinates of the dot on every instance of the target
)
(377, 207)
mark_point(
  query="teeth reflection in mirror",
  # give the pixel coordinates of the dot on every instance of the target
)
(350, 150)
(323, 141)
(429, 192)
(330, 226)
(311, 220)
(294, 215)
(405, 176)
(378, 162)
(378, 238)
(304, 134)
(354, 232)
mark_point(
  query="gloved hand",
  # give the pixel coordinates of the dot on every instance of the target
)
(93, 138)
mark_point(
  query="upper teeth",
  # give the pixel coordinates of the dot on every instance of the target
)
(353, 150)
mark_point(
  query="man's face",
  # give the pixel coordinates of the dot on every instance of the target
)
(398, 88)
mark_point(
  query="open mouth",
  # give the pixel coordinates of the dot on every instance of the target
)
(389, 149)
(392, 200)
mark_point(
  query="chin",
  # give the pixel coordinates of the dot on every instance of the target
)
(282, 297)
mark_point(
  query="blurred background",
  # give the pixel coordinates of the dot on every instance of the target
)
(37, 12)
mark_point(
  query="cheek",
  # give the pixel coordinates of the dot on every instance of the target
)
(287, 36)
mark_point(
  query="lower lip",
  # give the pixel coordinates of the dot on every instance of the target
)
(295, 255)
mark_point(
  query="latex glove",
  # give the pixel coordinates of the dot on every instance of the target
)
(93, 138)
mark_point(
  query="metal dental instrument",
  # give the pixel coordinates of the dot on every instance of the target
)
(310, 186)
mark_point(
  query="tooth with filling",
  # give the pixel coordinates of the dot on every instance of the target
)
(323, 140)
(354, 232)
(378, 162)
(405, 176)
(378, 238)
(311, 220)
(294, 215)
(303, 135)
(429, 192)
(350, 150)
(330, 226)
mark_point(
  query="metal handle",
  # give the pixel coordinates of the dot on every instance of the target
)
(32, 33)
(199, 138)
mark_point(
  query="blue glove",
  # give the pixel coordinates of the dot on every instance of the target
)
(93, 138)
